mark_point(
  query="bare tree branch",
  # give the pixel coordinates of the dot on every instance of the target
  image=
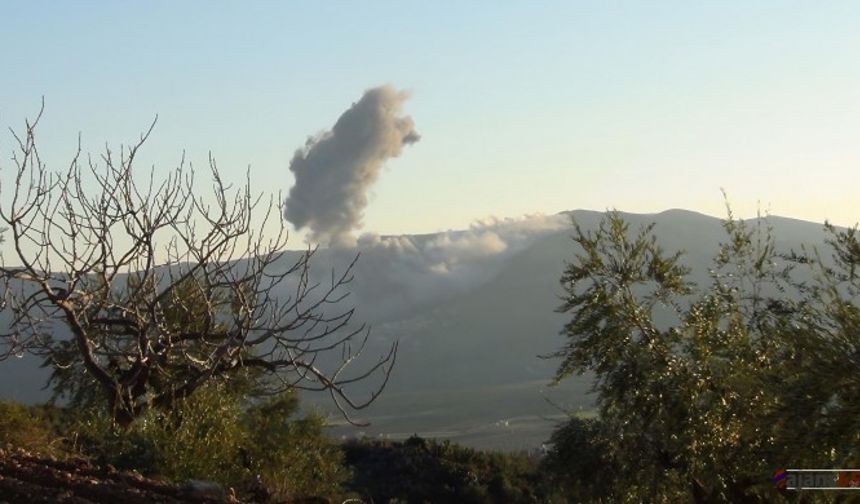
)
(163, 290)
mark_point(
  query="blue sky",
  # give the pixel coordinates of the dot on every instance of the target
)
(523, 106)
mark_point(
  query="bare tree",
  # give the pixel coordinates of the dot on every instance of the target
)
(163, 291)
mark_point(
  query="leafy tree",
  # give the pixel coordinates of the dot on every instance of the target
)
(577, 465)
(114, 261)
(684, 375)
(817, 382)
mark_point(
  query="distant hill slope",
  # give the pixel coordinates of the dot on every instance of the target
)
(468, 365)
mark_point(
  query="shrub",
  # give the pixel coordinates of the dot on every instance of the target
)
(293, 458)
(576, 465)
(213, 436)
(420, 470)
(201, 438)
(23, 427)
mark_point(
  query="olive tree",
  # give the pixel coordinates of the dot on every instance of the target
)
(162, 288)
(686, 377)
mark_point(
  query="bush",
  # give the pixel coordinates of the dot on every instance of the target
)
(576, 465)
(419, 470)
(201, 438)
(24, 427)
(212, 436)
(293, 458)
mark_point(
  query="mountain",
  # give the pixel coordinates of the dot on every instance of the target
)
(469, 366)
(472, 326)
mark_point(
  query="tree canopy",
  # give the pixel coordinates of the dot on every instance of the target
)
(703, 391)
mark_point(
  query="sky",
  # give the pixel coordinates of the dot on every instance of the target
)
(522, 107)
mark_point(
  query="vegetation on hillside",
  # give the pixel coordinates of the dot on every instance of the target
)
(264, 454)
(704, 391)
(188, 367)
(420, 470)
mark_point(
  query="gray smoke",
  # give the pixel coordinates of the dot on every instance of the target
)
(335, 169)
(395, 273)
(397, 276)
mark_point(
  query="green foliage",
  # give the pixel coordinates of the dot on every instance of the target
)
(577, 465)
(703, 392)
(419, 470)
(293, 458)
(201, 439)
(214, 435)
(27, 428)
(820, 403)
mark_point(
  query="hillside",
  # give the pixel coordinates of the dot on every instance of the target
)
(28, 478)
(468, 366)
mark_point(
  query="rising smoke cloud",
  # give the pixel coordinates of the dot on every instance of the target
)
(395, 274)
(335, 169)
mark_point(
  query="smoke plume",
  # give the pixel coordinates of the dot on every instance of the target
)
(399, 272)
(335, 169)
